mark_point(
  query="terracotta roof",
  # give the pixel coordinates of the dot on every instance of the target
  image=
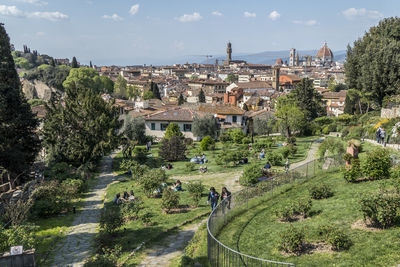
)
(171, 115)
(221, 109)
(254, 85)
(324, 51)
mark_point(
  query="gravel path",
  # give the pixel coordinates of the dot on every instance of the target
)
(77, 246)
(312, 154)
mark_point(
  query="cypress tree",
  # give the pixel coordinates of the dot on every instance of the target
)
(155, 90)
(245, 107)
(91, 65)
(18, 141)
(181, 100)
(74, 63)
(202, 96)
(52, 62)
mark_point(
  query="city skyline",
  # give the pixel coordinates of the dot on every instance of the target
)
(150, 32)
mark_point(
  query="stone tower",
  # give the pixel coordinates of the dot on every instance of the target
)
(275, 78)
(229, 51)
(292, 57)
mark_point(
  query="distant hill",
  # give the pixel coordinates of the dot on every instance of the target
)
(267, 57)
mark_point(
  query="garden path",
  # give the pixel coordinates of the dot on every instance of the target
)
(312, 154)
(76, 247)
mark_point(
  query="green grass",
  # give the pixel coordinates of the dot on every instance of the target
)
(258, 229)
(133, 233)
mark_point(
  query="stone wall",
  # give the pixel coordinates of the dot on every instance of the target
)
(37, 90)
(389, 113)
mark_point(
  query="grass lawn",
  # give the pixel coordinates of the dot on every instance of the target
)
(133, 233)
(258, 229)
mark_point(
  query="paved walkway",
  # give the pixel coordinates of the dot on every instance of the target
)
(394, 146)
(76, 247)
(174, 245)
(312, 154)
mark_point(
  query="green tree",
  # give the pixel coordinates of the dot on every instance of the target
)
(173, 130)
(181, 100)
(84, 78)
(331, 84)
(19, 143)
(308, 99)
(107, 84)
(133, 92)
(231, 78)
(245, 107)
(120, 87)
(134, 130)
(52, 62)
(264, 124)
(367, 62)
(156, 91)
(202, 96)
(82, 128)
(148, 95)
(203, 126)
(289, 116)
(173, 149)
(74, 63)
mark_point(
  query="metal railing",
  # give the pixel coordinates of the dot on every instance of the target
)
(220, 255)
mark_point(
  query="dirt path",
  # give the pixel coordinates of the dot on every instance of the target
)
(312, 154)
(77, 246)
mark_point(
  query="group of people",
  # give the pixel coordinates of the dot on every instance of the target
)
(125, 197)
(214, 196)
(380, 135)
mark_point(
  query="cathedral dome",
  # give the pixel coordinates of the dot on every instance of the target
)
(324, 52)
(279, 61)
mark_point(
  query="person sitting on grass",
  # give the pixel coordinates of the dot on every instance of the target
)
(131, 196)
(117, 199)
(126, 195)
(177, 186)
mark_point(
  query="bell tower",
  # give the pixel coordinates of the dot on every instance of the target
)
(229, 51)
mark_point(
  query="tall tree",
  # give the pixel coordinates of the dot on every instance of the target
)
(308, 99)
(373, 63)
(173, 130)
(84, 78)
(120, 87)
(133, 92)
(205, 126)
(290, 117)
(52, 62)
(90, 64)
(181, 100)
(231, 78)
(74, 63)
(82, 128)
(202, 96)
(19, 143)
(156, 91)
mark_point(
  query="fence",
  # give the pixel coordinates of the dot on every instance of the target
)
(220, 255)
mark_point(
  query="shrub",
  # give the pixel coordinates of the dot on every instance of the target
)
(292, 149)
(292, 240)
(110, 220)
(229, 158)
(146, 218)
(151, 181)
(60, 171)
(195, 189)
(285, 152)
(291, 140)
(207, 143)
(331, 145)
(237, 135)
(246, 141)
(303, 207)
(173, 149)
(190, 166)
(75, 186)
(188, 141)
(347, 157)
(320, 191)
(225, 137)
(140, 154)
(24, 235)
(170, 200)
(380, 209)
(377, 164)
(131, 209)
(352, 174)
(285, 213)
(109, 258)
(274, 158)
(250, 175)
(335, 237)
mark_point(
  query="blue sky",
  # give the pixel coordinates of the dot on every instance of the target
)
(129, 32)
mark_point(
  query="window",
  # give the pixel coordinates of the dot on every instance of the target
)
(187, 127)
(234, 119)
(163, 126)
(153, 126)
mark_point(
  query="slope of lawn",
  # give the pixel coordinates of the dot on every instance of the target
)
(258, 230)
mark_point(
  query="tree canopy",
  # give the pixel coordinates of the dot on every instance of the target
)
(86, 78)
(202, 96)
(205, 126)
(120, 87)
(19, 143)
(372, 65)
(173, 130)
(289, 115)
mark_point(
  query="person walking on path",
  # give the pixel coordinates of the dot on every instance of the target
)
(287, 165)
(378, 134)
(383, 135)
(225, 195)
(213, 196)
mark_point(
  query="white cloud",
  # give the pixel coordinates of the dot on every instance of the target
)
(114, 17)
(274, 15)
(217, 13)
(134, 9)
(190, 17)
(354, 13)
(33, 2)
(310, 22)
(12, 11)
(247, 14)
(52, 16)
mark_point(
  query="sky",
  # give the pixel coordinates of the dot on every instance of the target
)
(132, 32)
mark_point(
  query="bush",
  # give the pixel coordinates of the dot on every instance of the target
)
(377, 164)
(75, 186)
(237, 136)
(60, 171)
(301, 207)
(292, 240)
(131, 209)
(250, 175)
(320, 191)
(285, 213)
(265, 144)
(335, 237)
(173, 149)
(331, 145)
(170, 200)
(246, 141)
(151, 181)
(109, 258)
(190, 166)
(380, 209)
(226, 158)
(347, 157)
(195, 189)
(188, 142)
(21, 235)
(291, 140)
(110, 220)
(274, 158)
(146, 218)
(225, 137)
(285, 152)
(352, 174)
(207, 143)
(140, 154)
